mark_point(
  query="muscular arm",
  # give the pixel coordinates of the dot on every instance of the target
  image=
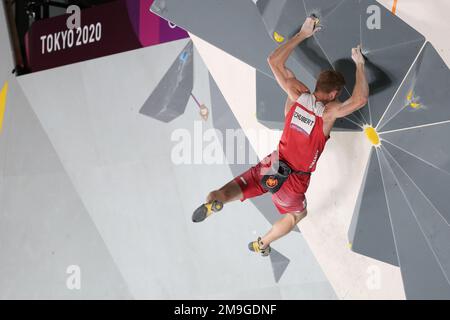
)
(298, 89)
(285, 78)
(360, 93)
(277, 62)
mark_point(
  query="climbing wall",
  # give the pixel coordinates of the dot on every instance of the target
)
(401, 214)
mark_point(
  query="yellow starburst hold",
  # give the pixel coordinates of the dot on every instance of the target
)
(372, 135)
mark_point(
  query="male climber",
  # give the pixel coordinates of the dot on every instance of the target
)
(309, 119)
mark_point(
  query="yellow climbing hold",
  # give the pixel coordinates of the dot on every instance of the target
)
(410, 96)
(372, 135)
(3, 94)
(350, 245)
(413, 101)
(278, 37)
(414, 105)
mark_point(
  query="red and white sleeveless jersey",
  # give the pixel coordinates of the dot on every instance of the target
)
(303, 140)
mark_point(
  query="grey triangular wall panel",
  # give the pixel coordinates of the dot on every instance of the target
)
(170, 97)
(422, 274)
(432, 224)
(433, 182)
(279, 264)
(426, 143)
(371, 232)
(387, 70)
(430, 92)
(400, 100)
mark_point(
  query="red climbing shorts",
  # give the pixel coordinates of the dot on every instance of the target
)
(291, 196)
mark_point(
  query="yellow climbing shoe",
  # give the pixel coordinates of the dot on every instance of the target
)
(205, 210)
(256, 246)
